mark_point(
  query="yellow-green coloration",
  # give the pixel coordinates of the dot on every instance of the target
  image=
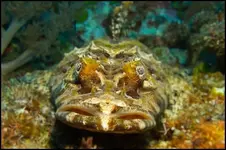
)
(198, 69)
(122, 47)
(205, 82)
(27, 114)
(69, 77)
(218, 91)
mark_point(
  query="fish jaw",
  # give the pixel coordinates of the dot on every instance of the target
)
(105, 114)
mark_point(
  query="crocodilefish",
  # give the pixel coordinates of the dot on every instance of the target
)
(110, 87)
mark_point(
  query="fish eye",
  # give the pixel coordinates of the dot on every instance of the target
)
(140, 70)
(75, 75)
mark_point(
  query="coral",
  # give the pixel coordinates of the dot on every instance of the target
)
(16, 127)
(21, 13)
(25, 130)
(150, 25)
(218, 94)
(198, 124)
(154, 27)
(197, 6)
(175, 35)
(179, 99)
(156, 21)
(152, 41)
(209, 135)
(180, 5)
(196, 120)
(131, 20)
(180, 54)
(164, 55)
(209, 34)
(214, 37)
(37, 35)
(195, 47)
(209, 87)
(201, 18)
(205, 82)
(119, 20)
(143, 6)
(27, 114)
(210, 38)
(205, 135)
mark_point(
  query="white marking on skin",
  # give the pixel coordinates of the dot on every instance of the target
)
(148, 85)
(119, 103)
(155, 106)
(110, 61)
(118, 77)
(118, 92)
(100, 75)
(137, 59)
(70, 117)
(84, 122)
(92, 101)
(140, 123)
(104, 122)
(106, 99)
(107, 108)
(127, 124)
(93, 46)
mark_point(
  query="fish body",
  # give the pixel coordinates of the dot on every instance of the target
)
(109, 87)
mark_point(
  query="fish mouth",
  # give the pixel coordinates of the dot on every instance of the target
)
(92, 119)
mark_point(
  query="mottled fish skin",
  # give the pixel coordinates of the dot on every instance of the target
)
(109, 88)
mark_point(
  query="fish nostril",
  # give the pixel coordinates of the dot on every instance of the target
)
(84, 90)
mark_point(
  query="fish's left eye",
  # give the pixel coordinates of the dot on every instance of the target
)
(140, 71)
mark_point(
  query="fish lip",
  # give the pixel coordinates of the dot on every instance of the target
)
(77, 109)
(92, 120)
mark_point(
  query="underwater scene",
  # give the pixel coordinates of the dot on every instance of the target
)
(113, 74)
